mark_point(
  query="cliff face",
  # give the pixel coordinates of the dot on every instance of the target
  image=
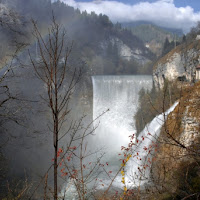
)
(179, 64)
(127, 52)
(178, 157)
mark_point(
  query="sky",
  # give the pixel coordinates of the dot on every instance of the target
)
(182, 14)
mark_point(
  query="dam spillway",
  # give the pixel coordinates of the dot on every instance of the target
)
(120, 95)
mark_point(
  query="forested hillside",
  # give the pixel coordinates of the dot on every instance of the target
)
(154, 36)
(106, 48)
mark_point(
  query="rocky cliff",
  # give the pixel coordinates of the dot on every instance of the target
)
(180, 63)
(177, 168)
(127, 52)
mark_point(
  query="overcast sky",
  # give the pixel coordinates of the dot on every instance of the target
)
(169, 13)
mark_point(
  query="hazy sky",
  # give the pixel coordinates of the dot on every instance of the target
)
(169, 13)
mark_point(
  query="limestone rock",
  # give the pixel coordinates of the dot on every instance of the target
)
(179, 64)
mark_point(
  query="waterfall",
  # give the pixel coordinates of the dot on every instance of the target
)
(146, 140)
(119, 94)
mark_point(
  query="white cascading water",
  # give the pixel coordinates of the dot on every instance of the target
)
(145, 150)
(119, 94)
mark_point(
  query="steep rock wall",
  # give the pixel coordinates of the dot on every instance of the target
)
(126, 52)
(179, 144)
(179, 64)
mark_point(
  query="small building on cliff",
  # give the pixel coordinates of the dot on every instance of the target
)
(198, 72)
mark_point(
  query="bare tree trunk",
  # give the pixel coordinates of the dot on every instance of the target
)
(55, 160)
(52, 70)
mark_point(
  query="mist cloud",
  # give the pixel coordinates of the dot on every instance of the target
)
(161, 12)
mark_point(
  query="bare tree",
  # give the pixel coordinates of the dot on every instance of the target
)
(60, 81)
